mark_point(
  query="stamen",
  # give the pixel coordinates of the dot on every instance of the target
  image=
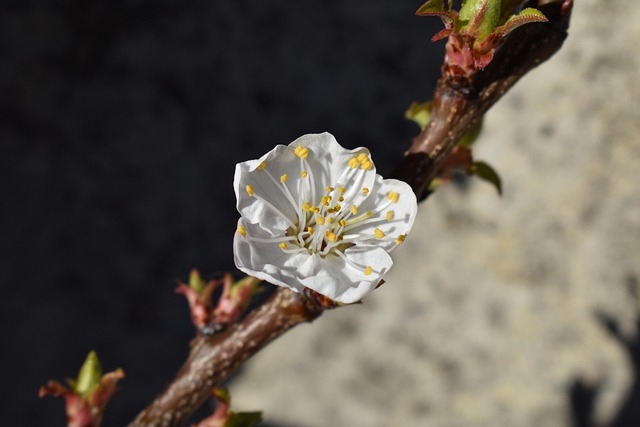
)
(303, 174)
(301, 152)
(341, 199)
(242, 231)
(367, 165)
(320, 220)
(249, 190)
(389, 215)
(401, 238)
(362, 157)
(331, 236)
(354, 210)
(306, 206)
(329, 189)
(379, 234)
(330, 219)
(342, 223)
(310, 230)
(262, 166)
(367, 271)
(284, 178)
(393, 196)
(283, 245)
(354, 163)
(365, 190)
(342, 189)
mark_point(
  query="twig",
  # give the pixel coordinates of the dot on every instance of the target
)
(458, 105)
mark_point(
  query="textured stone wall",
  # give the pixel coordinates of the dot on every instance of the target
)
(507, 311)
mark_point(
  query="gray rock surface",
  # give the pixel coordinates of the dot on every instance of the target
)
(491, 312)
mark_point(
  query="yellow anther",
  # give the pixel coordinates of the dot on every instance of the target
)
(329, 189)
(301, 152)
(283, 245)
(354, 163)
(315, 209)
(368, 271)
(303, 174)
(354, 210)
(331, 210)
(365, 190)
(401, 238)
(393, 196)
(320, 220)
(366, 165)
(249, 190)
(331, 237)
(379, 234)
(242, 231)
(310, 230)
(284, 178)
(389, 215)
(368, 214)
(342, 189)
(336, 208)
(325, 201)
(341, 199)
(330, 219)
(306, 206)
(342, 223)
(262, 166)
(362, 157)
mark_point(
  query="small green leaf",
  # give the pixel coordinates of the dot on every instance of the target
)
(431, 7)
(419, 113)
(526, 16)
(89, 376)
(222, 395)
(434, 184)
(481, 17)
(244, 419)
(485, 172)
(470, 137)
(195, 281)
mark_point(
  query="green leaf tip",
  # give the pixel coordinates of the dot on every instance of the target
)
(89, 376)
(526, 16)
(419, 113)
(244, 419)
(195, 281)
(487, 173)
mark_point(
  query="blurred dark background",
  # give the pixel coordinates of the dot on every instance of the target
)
(120, 126)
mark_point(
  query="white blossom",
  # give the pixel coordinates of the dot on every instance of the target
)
(316, 215)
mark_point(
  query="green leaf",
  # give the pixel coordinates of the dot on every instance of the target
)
(481, 17)
(89, 376)
(244, 419)
(526, 16)
(222, 395)
(419, 113)
(470, 137)
(431, 7)
(195, 281)
(485, 172)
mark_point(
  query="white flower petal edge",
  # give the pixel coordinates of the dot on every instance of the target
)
(316, 215)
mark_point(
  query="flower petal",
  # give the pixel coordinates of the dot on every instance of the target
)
(394, 208)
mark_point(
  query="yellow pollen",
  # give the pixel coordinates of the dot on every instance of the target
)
(320, 220)
(284, 178)
(401, 238)
(342, 189)
(310, 230)
(315, 209)
(389, 215)
(306, 206)
(341, 199)
(283, 245)
(354, 210)
(366, 165)
(354, 163)
(368, 214)
(368, 271)
(262, 166)
(331, 237)
(342, 222)
(329, 189)
(303, 174)
(330, 219)
(379, 234)
(393, 196)
(249, 190)
(331, 210)
(362, 157)
(242, 231)
(365, 190)
(325, 201)
(301, 152)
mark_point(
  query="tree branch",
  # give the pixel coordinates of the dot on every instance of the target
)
(459, 103)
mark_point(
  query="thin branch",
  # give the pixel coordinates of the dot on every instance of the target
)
(458, 105)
